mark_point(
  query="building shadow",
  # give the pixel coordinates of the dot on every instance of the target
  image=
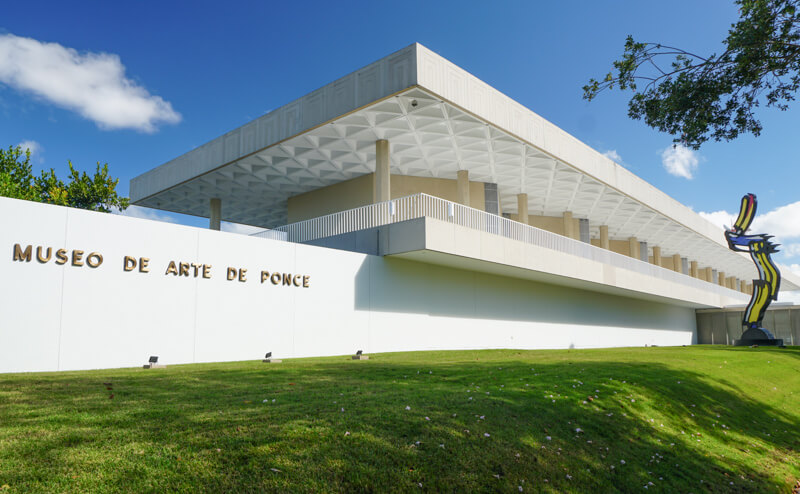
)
(472, 424)
(395, 285)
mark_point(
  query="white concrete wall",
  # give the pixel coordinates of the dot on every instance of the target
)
(377, 80)
(62, 317)
(455, 84)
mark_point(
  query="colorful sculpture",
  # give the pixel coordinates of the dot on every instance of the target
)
(765, 289)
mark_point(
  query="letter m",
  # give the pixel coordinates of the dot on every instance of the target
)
(22, 255)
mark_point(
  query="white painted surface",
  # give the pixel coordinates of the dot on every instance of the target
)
(388, 75)
(482, 251)
(493, 137)
(62, 317)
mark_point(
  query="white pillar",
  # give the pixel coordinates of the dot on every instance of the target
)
(382, 190)
(633, 248)
(462, 184)
(677, 264)
(216, 214)
(569, 231)
(522, 208)
(604, 242)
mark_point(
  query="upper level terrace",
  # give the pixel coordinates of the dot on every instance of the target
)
(415, 123)
(430, 229)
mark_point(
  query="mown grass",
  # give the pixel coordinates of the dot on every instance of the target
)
(688, 419)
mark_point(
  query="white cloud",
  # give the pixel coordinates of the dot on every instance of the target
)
(791, 250)
(35, 148)
(91, 84)
(782, 222)
(613, 155)
(786, 296)
(794, 295)
(720, 218)
(146, 213)
(157, 215)
(239, 228)
(680, 161)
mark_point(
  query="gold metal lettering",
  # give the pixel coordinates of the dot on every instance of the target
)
(242, 275)
(172, 269)
(264, 276)
(22, 255)
(306, 281)
(39, 254)
(61, 256)
(296, 280)
(196, 268)
(77, 255)
(128, 263)
(143, 262)
(94, 259)
(275, 278)
(231, 274)
(287, 279)
(206, 271)
(184, 269)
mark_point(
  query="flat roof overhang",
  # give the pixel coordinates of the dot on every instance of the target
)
(443, 243)
(438, 119)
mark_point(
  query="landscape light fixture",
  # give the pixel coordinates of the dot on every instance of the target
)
(152, 363)
(269, 360)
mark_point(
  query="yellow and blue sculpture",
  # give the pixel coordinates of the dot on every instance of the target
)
(765, 289)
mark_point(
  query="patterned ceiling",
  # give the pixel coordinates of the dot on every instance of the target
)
(432, 138)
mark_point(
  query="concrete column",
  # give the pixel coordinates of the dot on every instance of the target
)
(693, 269)
(604, 243)
(743, 286)
(568, 230)
(462, 184)
(709, 275)
(657, 255)
(215, 216)
(677, 264)
(721, 278)
(382, 190)
(634, 247)
(522, 208)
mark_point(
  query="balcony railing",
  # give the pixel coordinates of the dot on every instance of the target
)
(423, 205)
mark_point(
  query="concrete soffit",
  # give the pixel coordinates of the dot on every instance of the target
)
(436, 127)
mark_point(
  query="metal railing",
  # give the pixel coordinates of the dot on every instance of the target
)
(423, 205)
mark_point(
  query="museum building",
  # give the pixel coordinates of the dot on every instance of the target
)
(405, 206)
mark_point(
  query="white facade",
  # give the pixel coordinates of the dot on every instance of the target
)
(438, 119)
(64, 317)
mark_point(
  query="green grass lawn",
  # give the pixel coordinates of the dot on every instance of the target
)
(687, 419)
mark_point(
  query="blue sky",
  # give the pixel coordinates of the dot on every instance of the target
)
(194, 70)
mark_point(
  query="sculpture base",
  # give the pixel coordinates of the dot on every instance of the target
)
(758, 336)
(154, 366)
(772, 342)
(272, 361)
(360, 357)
